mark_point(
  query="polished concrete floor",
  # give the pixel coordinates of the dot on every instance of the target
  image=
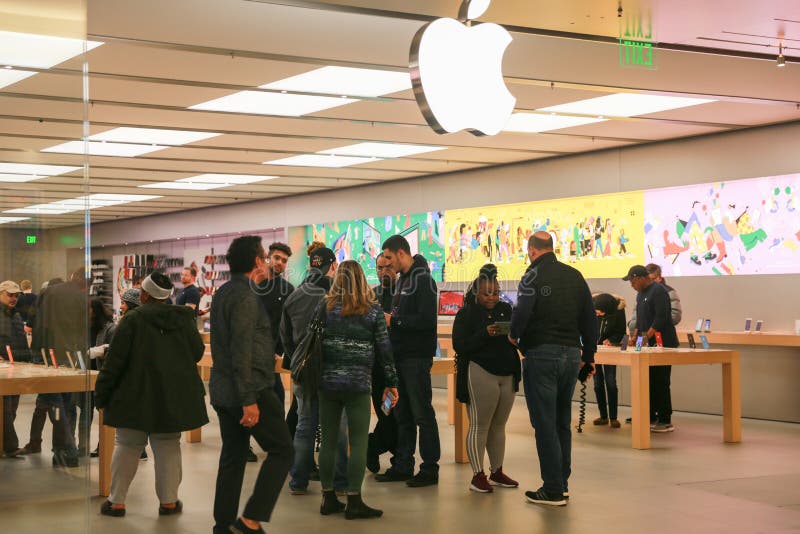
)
(690, 481)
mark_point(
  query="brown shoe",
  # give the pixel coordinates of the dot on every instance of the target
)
(32, 448)
(615, 423)
(600, 421)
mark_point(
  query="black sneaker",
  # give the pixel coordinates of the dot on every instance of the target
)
(542, 497)
(108, 509)
(172, 510)
(422, 479)
(392, 476)
(373, 461)
(240, 528)
(251, 456)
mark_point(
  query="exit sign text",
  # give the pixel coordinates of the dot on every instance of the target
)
(30, 239)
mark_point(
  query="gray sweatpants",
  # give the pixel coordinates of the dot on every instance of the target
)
(491, 398)
(166, 456)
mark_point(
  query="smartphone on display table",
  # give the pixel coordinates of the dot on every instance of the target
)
(639, 342)
(759, 324)
(704, 341)
(699, 326)
(503, 327)
(707, 326)
(386, 407)
(692, 344)
(659, 340)
(747, 324)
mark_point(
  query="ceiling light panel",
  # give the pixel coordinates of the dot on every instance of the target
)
(35, 170)
(321, 160)
(187, 186)
(6, 220)
(204, 182)
(152, 136)
(539, 122)
(626, 105)
(101, 148)
(263, 103)
(11, 76)
(70, 205)
(39, 51)
(382, 150)
(345, 81)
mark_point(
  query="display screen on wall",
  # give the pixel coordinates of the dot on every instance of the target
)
(725, 228)
(361, 240)
(600, 235)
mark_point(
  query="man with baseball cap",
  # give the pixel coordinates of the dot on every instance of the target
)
(654, 315)
(298, 312)
(13, 340)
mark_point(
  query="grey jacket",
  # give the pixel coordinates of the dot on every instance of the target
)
(298, 309)
(675, 305)
(242, 347)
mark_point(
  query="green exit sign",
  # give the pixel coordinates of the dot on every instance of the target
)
(30, 239)
(637, 46)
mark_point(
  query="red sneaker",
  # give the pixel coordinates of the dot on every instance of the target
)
(480, 484)
(498, 478)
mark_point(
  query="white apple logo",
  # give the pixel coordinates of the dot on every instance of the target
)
(457, 74)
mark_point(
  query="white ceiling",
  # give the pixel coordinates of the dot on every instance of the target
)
(159, 58)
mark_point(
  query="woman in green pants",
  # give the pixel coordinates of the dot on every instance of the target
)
(355, 339)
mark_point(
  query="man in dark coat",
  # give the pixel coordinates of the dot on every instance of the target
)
(149, 388)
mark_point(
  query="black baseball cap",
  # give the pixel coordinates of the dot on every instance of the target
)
(322, 259)
(636, 270)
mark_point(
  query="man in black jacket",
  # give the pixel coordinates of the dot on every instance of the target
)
(384, 436)
(412, 330)
(242, 394)
(654, 315)
(555, 326)
(12, 339)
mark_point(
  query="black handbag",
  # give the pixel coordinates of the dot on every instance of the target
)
(306, 364)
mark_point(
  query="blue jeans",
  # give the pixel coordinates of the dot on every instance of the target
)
(605, 379)
(415, 409)
(551, 372)
(304, 441)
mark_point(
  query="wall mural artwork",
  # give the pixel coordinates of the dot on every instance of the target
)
(725, 228)
(361, 239)
(599, 235)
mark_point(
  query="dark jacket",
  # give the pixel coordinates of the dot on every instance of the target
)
(554, 306)
(26, 306)
(149, 381)
(413, 326)
(385, 296)
(298, 311)
(64, 320)
(241, 345)
(351, 347)
(653, 310)
(273, 294)
(612, 326)
(189, 295)
(472, 342)
(12, 333)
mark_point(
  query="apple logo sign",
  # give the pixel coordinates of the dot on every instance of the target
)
(457, 73)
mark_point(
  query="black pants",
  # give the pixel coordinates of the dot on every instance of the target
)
(660, 397)
(10, 439)
(384, 437)
(272, 435)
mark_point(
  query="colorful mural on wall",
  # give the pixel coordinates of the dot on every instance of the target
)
(725, 228)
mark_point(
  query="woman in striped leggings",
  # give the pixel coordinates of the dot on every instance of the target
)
(488, 375)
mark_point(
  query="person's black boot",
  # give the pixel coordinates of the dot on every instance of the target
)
(356, 509)
(330, 504)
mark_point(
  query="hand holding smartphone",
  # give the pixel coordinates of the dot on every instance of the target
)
(388, 402)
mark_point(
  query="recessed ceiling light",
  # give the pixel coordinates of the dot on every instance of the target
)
(151, 136)
(39, 51)
(537, 122)
(345, 81)
(101, 148)
(321, 160)
(6, 220)
(626, 105)
(9, 77)
(382, 150)
(204, 182)
(101, 200)
(27, 172)
(262, 103)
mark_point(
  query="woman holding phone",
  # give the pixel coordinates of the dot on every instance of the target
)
(488, 375)
(355, 336)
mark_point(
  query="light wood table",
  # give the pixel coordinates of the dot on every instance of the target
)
(640, 363)
(28, 379)
(763, 339)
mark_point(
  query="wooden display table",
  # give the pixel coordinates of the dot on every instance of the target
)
(28, 379)
(640, 363)
(764, 339)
